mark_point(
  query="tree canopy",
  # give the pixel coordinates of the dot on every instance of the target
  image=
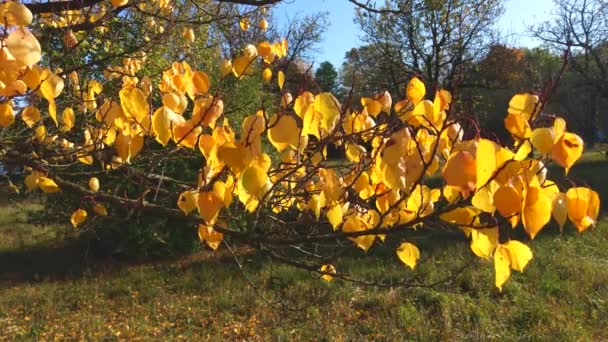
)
(184, 114)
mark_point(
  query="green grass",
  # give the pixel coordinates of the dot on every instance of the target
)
(562, 295)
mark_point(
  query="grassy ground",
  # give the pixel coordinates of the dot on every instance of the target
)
(563, 294)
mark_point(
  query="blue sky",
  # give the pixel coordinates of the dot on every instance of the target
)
(343, 33)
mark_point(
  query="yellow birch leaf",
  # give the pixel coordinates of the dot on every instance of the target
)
(485, 161)
(69, 118)
(94, 184)
(283, 132)
(162, 123)
(24, 46)
(267, 75)
(100, 210)
(542, 139)
(527, 105)
(210, 236)
(536, 210)
(281, 79)
(559, 210)
(354, 224)
(484, 241)
(507, 200)
(30, 115)
(415, 90)
(502, 267)
(329, 111)
(47, 185)
(188, 201)
(78, 217)
(134, 103)
(334, 215)
(583, 207)
(409, 254)
(567, 150)
(7, 115)
(200, 83)
(328, 270)
(519, 254)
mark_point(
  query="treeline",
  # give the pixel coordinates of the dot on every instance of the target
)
(456, 45)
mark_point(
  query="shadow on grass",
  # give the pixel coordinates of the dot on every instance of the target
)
(75, 257)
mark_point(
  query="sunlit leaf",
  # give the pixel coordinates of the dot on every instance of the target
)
(409, 254)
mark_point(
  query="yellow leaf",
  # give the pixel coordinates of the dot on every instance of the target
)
(30, 115)
(519, 254)
(559, 210)
(94, 184)
(188, 35)
(210, 236)
(461, 171)
(334, 215)
(354, 152)
(281, 79)
(119, 3)
(502, 267)
(355, 224)
(328, 270)
(7, 115)
(559, 126)
(264, 49)
(524, 104)
(415, 90)
(507, 200)
(241, 66)
(188, 201)
(583, 207)
(31, 181)
(283, 132)
(47, 185)
(209, 206)
(200, 83)
(567, 150)
(409, 254)
(536, 209)
(207, 110)
(267, 75)
(254, 181)
(100, 210)
(263, 24)
(225, 67)
(134, 103)
(234, 155)
(483, 198)
(69, 118)
(186, 134)
(244, 24)
(40, 133)
(542, 139)
(15, 13)
(485, 161)
(484, 241)
(24, 46)
(517, 125)
(328, 109)
(78, 217)
(373, 107)
(50, 88)
(162, 123)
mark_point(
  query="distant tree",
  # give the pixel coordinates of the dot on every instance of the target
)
(432, 39)
(326, 77)
(582, 27)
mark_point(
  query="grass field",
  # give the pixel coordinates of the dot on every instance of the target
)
(563, 294)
